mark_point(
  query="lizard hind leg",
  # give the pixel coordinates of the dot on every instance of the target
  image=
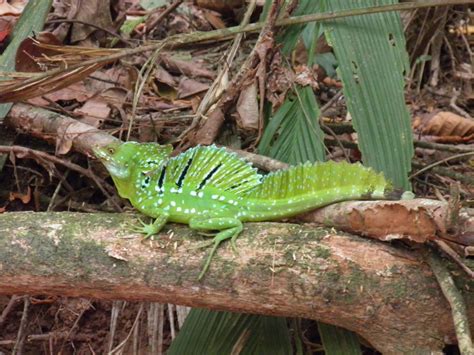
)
(228, 227)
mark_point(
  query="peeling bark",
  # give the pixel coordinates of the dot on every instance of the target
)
(386, 294)
(418, 220)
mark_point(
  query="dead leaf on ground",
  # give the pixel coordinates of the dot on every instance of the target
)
(24, 198)
(445, 127)
(67, 133)
(30, 52)
(190, 87)
(96, 12)
(14, 9)
(119, 75)
(164, 77)
(279, 80)
(5, 28)
(247, 116)
(215, 19)
(188, 68)
(222, 6)
(94, 111)
(305, 76)
(76, 91)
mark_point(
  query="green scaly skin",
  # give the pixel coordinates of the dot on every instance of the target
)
(213, 190)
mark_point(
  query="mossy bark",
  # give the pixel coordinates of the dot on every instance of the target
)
(386, 294)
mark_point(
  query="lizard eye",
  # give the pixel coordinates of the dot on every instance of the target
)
(111, 150)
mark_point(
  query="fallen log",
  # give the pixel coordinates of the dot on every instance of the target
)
(386, 294)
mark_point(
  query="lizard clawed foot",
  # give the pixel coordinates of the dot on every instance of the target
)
(142, 228)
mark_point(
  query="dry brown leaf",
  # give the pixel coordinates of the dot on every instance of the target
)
(9, 9)
(247, 116)
(67, 133)
(305, 76)
(223, 6)
(164, 77)
(214, 19)
(119, 75)
(76, 91)
(188, 68)
(6, 25)
(13, 91)
(279, 80)
(30, 52)
(445, 127)
(24, 198)
(189, 87)
(94, 111)
(96, 12)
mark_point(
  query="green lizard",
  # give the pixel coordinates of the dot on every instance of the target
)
(213, 190)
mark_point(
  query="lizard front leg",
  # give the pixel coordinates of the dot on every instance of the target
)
(229, 227)
(150, 229)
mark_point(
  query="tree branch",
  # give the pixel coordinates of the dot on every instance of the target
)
(387, 295)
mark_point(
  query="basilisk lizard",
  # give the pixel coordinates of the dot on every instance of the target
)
(211, 189)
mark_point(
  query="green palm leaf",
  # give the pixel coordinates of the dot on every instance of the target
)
(212, 332)
(372, 60)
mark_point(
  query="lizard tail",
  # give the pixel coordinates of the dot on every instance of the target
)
(335, 180)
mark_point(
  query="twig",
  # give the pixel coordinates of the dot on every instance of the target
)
(165, 13)
(35, 154)
(428, 167)
(11, 303)
(260, 161)
(218, 87)
(454, 256)
(199, 36)
(20, 338)
(466, 179)
(113, 34)
(119, 347)
(456, 301)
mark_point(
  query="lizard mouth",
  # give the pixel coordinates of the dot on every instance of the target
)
(100, 153)
(115, 168)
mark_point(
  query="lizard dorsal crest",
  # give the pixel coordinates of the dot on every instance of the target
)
(210, 167)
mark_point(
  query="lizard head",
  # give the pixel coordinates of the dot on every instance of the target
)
(125, 161)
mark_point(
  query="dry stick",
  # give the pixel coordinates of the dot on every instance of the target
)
(260, 161)
(113, 34)
(20, 338)
(449, 251)
(11, 303)
(118, 349)
(237, 80)
(39, 154)
(438, 170)
(456, 301)
(165, 13)
(232, 31)
(217, 88)
(428, 167)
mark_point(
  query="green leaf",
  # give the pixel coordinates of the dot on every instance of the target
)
(212, 332)
(372, 60)
(32, 19)
(129, 25)
(292, 33)
(293, 135)
(338, 341)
